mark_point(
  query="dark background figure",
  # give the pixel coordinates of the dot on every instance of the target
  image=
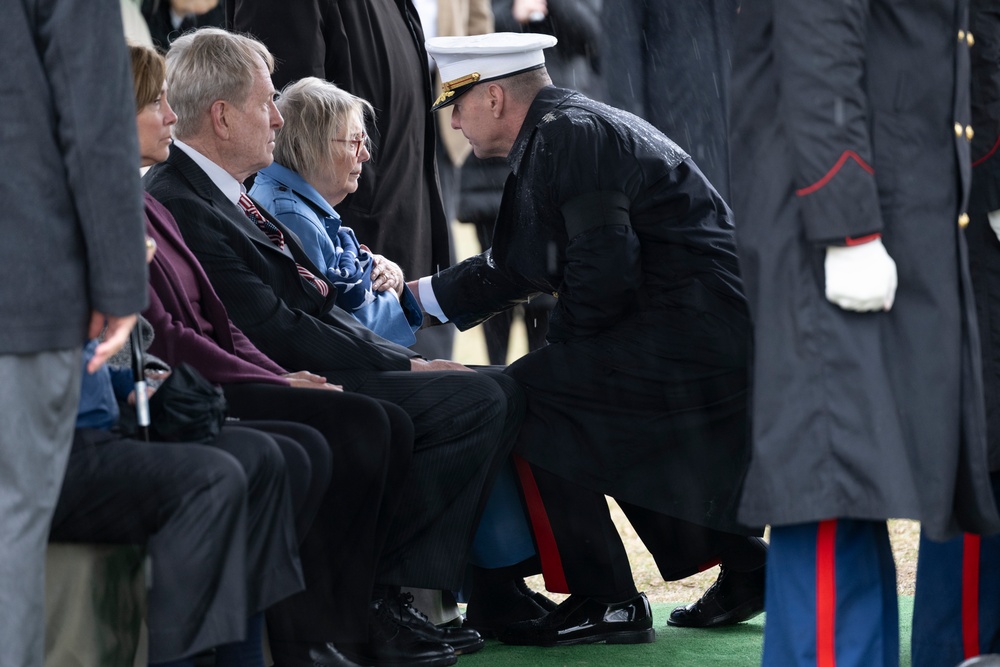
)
(169, 19)
(574, 63)
(942, 633)
(375, 50)
(669, 63)
(67, 106)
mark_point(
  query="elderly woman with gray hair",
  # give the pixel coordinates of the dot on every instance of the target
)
(318, 158)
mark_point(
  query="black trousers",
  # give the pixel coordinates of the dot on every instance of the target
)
(370, 444)
(465, 424)
(593, 559)
(216, 521)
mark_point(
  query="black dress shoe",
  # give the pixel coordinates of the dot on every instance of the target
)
(733, 598)
(583, 620)
(489, 620)
(392, 644)
(463, 639)
(304, 654)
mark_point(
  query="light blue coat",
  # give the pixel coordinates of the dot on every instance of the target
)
(334, 248)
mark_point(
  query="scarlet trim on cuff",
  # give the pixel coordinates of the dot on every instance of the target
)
(833, 172)
(989, 154)
(861, 240)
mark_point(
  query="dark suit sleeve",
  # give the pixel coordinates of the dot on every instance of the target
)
(819, 49)
(474, 290)
(94, 112)
(294, 339)
(175, 343)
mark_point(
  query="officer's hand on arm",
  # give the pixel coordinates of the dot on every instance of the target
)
(994, 218)
(860, 277)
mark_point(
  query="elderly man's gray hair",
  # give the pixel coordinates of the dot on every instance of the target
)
(208, 65)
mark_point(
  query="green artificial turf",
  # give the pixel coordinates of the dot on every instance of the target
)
(735, 646)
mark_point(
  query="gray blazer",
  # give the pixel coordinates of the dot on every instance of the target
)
(71, 225)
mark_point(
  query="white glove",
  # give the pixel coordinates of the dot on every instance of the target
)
(860, 278)
(994, 218)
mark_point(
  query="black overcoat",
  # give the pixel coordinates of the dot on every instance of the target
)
(851, 118)
(641, 392)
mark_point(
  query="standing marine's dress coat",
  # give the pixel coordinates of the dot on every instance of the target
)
(641, 392)
(853, 118)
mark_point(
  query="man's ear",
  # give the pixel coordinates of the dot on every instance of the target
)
(219, 115)
(495, 98)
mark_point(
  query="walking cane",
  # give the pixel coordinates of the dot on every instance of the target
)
(139, 376)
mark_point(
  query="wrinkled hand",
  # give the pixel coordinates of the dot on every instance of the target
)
(386, 275)
(994, 218)
(437, 365)
(184, 7)
(307, 380)
(861, 278)
(116, 330)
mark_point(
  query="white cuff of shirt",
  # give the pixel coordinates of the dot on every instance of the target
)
(428, 301)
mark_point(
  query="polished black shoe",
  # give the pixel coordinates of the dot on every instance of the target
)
(490, 619)
(733, 598)
(304, 654)
(583, 620)
(392, 644)
(463, 639)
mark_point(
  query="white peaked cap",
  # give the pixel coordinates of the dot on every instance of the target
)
(465, 61)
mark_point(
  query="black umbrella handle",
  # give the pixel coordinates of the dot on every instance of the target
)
(139, 376)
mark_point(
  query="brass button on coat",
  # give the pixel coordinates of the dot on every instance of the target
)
(970, 40)
(958, 129)
(963, 220)
(969, 132)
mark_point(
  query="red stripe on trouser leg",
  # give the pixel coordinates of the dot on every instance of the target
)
(826, 594)
(545, 539)
(970, 595)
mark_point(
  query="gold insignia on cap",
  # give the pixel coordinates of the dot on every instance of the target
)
(443, 96)
(454, 84)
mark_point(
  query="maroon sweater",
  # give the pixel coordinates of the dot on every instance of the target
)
(189, 321)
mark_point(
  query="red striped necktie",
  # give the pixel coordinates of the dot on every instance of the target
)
(278, 239)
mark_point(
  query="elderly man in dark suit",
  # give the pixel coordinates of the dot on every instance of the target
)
(72, 260)
(465, 422)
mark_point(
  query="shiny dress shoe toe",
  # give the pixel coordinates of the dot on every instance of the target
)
(392, 644)
(733, 598)
(304, 654)
(583, 620)
(463, 639)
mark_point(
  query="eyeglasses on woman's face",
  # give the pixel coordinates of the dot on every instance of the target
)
(355, 143)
